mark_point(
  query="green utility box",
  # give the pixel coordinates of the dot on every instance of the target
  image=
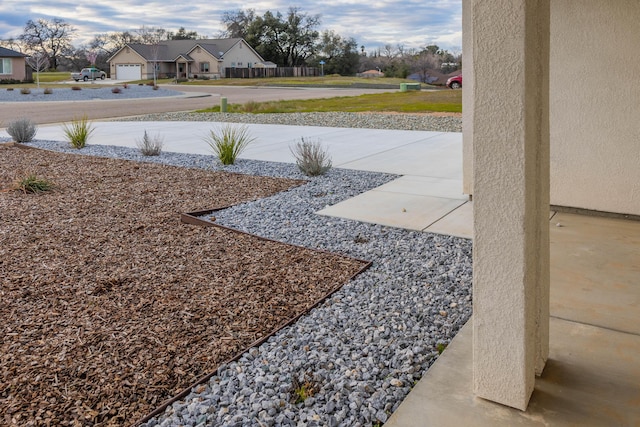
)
(409, 86)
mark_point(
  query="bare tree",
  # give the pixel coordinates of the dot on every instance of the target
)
(424, 64)
(12, 44)
(153, 36)
(39, 61)
(237, 23)
(388, 52)
(50, 37)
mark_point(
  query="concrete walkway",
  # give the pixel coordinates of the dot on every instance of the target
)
(427, 196)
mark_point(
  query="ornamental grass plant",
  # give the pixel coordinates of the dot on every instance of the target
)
(227, 142)
(78, 132)
(32, 184)
(311, 157)
(150, 145)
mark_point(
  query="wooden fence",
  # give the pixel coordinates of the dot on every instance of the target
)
(250, 73)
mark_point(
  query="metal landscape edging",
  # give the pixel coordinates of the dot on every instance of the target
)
(193, 219)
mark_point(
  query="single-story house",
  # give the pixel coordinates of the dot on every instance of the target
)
(205, 58)
(13, 65)
(371, 74)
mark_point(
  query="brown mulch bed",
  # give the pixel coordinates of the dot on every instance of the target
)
(110, 305)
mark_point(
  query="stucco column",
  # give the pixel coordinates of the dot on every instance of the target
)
(510, 67)
(468, 90)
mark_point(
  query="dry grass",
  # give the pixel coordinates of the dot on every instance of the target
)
(110, 304)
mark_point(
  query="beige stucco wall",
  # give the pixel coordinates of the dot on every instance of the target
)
(18, 71)
(203, 56)
(128, 56)
(595, 105)
(242, 54)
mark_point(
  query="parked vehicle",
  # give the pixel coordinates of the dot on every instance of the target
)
(455, 82)
(90, 73)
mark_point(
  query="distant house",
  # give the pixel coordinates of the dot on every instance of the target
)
(205, 58)
(13, 65)
(371, 74)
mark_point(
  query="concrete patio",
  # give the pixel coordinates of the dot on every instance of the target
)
(592, 377)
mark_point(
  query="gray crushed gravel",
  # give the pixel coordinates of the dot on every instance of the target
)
(361, 351)
(87, 93)
(328, 119)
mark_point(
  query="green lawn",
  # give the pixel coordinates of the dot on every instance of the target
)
(445, 100)
(53, 77)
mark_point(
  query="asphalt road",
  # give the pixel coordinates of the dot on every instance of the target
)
(202, 97)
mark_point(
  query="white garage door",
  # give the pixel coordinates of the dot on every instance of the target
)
(128, 72)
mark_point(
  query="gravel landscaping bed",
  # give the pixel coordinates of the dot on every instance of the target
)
(428, 122)
(110, 305)
(353, 359)
(87, 93)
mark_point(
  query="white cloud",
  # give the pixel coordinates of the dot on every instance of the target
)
(413, 23)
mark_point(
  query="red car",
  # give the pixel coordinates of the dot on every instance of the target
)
(455, 82)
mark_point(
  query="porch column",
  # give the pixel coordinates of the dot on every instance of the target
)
(510, 66)
(468, 92)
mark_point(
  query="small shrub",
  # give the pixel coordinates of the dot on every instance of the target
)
(251, 106)
(32, 184)
(22, 130)
(312, 159)
(78, 132)
(76, 88)
(302, 389)
(441, 347)
(25, 91)
(48, 91)
(228, 142)
(140, 84)
(150, 145)
(9, 89)
(116, 90)
(156, 87)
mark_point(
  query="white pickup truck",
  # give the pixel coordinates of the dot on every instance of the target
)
(89, 74)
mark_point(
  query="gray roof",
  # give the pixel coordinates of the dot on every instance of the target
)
(170, 50)
(4, 53)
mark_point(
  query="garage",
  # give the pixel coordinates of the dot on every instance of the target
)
(128, 72)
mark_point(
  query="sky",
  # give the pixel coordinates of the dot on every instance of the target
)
(372, 23)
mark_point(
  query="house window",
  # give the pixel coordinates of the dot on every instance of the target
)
(204, 67)
(239, 64)
(5, 66)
